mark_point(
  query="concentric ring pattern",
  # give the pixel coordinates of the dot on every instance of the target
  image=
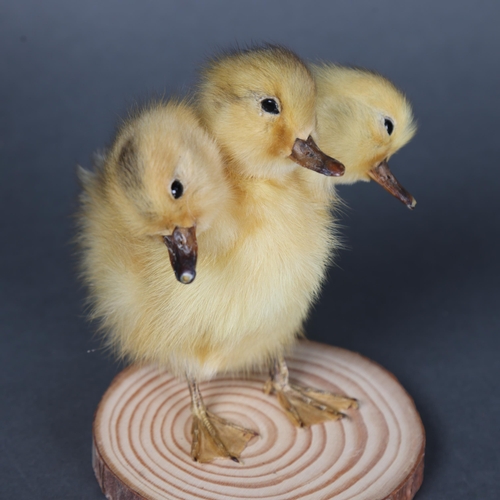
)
(142, 434)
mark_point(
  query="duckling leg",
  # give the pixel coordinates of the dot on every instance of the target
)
(303, 405)
(213, 437)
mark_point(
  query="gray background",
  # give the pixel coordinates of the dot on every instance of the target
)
(417, 292)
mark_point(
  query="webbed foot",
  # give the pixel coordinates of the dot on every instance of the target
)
(303, 405)
(214, 437)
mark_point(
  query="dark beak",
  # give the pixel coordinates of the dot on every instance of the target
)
(183, 251)
(308, 155)
(383, 175)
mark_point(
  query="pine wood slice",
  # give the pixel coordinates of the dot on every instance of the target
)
(142, 436)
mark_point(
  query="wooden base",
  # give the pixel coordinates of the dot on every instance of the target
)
(142, 436)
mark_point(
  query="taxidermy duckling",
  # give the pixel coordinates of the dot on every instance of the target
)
(363, 119)
(263, 242)
(260, 106)
(154, 196)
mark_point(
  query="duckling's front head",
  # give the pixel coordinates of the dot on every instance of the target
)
(260, 105)
(363, 119)
(165, 178)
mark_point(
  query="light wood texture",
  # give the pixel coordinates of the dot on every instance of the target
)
(142, 436)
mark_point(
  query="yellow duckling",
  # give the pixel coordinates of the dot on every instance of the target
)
(363, 119)
(263, 242)
(260, 107)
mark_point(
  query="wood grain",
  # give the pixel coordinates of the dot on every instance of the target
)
(142, 436)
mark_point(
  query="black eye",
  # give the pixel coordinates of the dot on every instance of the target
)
(389, 126)
(270, 106)
(176, 189)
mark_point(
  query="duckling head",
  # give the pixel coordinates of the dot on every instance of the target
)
(164, 177)
(260, 105)
(363, 119)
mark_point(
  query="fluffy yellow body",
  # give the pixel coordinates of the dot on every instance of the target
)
(263, 250)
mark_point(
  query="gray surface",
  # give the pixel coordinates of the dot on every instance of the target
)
(418, 292)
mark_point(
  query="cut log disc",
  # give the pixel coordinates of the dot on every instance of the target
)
(142, 436)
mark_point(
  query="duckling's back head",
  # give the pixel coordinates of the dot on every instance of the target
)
(363, 119)
(257, 103)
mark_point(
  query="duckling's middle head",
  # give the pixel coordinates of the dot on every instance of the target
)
(258, 103)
